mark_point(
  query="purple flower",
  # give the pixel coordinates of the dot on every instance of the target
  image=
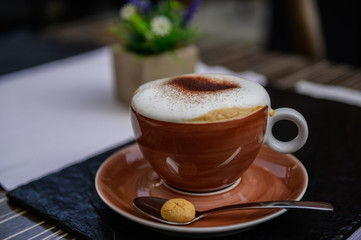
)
(191, 11)
(143, 5)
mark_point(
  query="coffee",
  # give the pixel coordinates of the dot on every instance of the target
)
(224, 114)
(199, 98)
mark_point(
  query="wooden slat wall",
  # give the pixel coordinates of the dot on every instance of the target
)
(282, 70)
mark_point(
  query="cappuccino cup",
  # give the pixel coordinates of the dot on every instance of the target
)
(201, 132)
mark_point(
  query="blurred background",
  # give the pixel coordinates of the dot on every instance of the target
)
(38, 31)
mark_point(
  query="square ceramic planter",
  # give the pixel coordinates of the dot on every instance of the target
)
(132, 70)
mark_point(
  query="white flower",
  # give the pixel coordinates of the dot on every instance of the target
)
(127, 11)
(161, 26)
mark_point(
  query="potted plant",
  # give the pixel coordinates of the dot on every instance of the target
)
(156, 41)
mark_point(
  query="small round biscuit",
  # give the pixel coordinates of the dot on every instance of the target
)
(178, 210)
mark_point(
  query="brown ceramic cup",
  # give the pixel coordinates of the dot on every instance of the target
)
(205, 157)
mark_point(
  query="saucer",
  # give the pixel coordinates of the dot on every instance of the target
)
(273, 176)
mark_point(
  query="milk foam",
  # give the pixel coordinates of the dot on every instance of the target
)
(178, 100)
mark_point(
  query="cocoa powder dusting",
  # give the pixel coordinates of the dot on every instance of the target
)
(201, 84)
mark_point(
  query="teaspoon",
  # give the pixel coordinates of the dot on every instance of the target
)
(151, 207)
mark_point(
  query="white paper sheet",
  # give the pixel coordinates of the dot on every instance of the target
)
(329, 92)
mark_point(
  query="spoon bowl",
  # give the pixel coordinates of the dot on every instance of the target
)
(151, 206)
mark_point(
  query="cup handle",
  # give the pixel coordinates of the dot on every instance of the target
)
(296, 143)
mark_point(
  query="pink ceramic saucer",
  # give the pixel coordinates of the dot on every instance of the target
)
(273, 176)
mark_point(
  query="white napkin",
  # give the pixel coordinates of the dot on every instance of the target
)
(329, 92)
(62, 112)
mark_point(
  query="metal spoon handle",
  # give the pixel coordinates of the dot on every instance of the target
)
(273, 204)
